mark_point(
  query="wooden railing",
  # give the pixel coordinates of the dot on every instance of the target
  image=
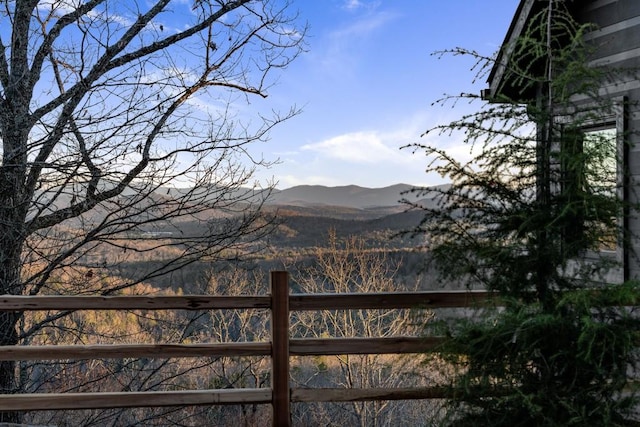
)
(280, 348)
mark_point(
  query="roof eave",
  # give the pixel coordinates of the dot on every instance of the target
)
(497, 73)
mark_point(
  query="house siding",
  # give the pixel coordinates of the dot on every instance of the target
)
(617, 44)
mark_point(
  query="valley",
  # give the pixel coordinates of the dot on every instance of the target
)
(302, 219)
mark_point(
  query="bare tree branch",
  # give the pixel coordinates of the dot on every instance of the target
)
(121, 135)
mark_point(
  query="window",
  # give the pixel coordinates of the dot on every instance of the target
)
(601, 153)
(591, 179)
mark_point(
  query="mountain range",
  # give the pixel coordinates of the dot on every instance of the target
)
(307, 213)
(351, 196)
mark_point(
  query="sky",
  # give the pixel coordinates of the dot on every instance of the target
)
(366, 85)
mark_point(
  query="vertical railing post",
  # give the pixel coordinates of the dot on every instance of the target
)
(280, 349)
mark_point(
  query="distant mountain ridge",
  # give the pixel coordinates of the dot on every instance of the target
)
(351, 196)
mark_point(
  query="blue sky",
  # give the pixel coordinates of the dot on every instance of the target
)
(366, 85)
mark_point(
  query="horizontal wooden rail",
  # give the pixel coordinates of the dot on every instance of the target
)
(104, 400)
(297, 302)
(132, 302)
(298, 347)
(386, 300)
(359, 394)
(122, 351)
(386, 345)
(400, 393)
(50, 401)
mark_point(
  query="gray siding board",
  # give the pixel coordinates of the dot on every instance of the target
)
(634, 160)
(617, 42)
(620, 33)
(624, 59)
(633, 195)
(611, 13)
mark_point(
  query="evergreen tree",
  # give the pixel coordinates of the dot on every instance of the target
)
(537, 219)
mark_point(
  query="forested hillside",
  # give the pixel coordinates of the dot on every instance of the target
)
(297, 230)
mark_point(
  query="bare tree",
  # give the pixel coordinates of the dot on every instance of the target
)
(239, 326)
(106, 108)
(344, 267)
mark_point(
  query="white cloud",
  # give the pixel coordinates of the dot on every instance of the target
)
(57, 8)
(355, 147)
(376, 146)
(63, 6)
(352, 4)
(339, 52)
(360, 4)
(360, 28)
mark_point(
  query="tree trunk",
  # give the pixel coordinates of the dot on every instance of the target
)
(8, 382)
(12, 237)
(10, 283)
